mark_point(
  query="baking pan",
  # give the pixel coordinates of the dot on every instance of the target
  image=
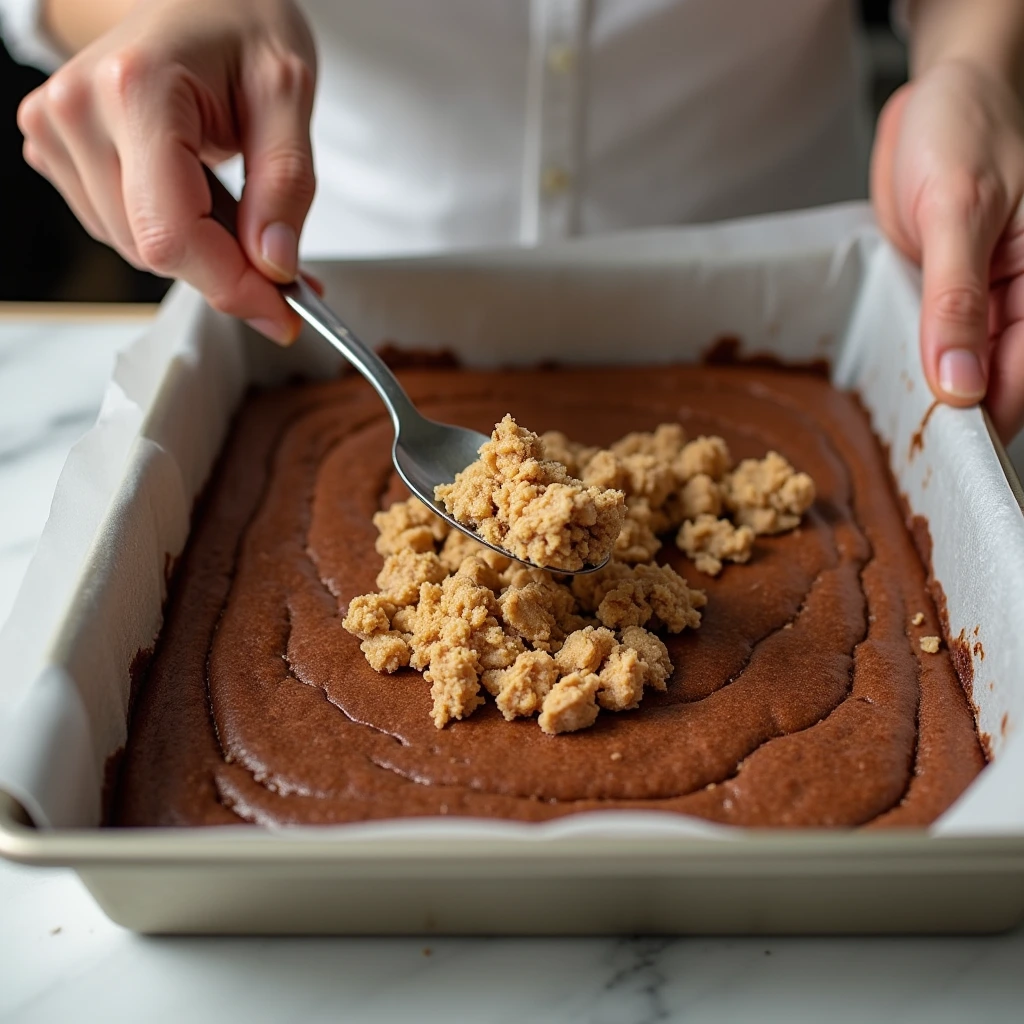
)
(818, 285)
(373, 881)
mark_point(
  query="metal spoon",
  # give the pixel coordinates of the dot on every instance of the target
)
(424, 452)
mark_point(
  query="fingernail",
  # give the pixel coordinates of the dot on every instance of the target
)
(960, 374)
(276, 332)
(279, 247)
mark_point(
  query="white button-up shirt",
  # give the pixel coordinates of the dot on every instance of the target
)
(446, 124)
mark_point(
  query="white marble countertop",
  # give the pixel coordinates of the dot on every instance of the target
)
(61, 959)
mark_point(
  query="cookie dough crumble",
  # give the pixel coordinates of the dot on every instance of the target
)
(656, 596)
(571, 705)
(521, 689)
(767, 494)
(403, 573)
(689, 488)
(481, 626)
(531, 506)
(408, 524)
(710, 542)
(930, 644)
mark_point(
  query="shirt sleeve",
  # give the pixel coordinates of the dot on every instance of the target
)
(21, 22)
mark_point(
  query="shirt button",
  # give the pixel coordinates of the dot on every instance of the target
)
(562, 59)
(554, 180)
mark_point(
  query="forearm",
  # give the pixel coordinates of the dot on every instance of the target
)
(73, 24)
(989, 33)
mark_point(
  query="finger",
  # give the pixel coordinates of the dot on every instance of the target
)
(1008, 258)
(279, 179)
(45, 153)
(883, 156)
(55, 165)
(997, 304)
(74, 120)
(167, 202)
(957, 239)
(1005, 401)
(99, 170)
(1007, 305)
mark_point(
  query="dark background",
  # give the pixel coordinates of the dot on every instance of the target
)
(46, 255)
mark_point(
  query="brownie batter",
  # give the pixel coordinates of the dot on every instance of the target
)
(804, 699)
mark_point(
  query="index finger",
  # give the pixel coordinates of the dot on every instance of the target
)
(168, 204)
(956, 249)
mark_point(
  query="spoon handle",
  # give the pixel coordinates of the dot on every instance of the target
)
(305, 301)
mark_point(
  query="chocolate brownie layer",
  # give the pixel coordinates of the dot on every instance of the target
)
(803, 699)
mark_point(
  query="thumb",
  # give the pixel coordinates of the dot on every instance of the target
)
(279, 178)
(957, 241)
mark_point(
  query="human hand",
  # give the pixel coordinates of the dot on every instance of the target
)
(947, 182)
(123, 128)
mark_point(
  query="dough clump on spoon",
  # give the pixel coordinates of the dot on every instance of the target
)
(530, 506)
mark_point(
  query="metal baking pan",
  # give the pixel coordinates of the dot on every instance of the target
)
(807, 286)
(244, 881)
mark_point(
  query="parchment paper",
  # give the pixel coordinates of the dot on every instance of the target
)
(808, 285)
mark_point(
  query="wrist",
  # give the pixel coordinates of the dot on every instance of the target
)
(1004, 79)
(1004, 74)
(72, 25)
(984, 35)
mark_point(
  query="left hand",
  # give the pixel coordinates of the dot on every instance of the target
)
(947, 183)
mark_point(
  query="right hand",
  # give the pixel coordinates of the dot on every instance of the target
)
(948, 188)
(122, 129)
